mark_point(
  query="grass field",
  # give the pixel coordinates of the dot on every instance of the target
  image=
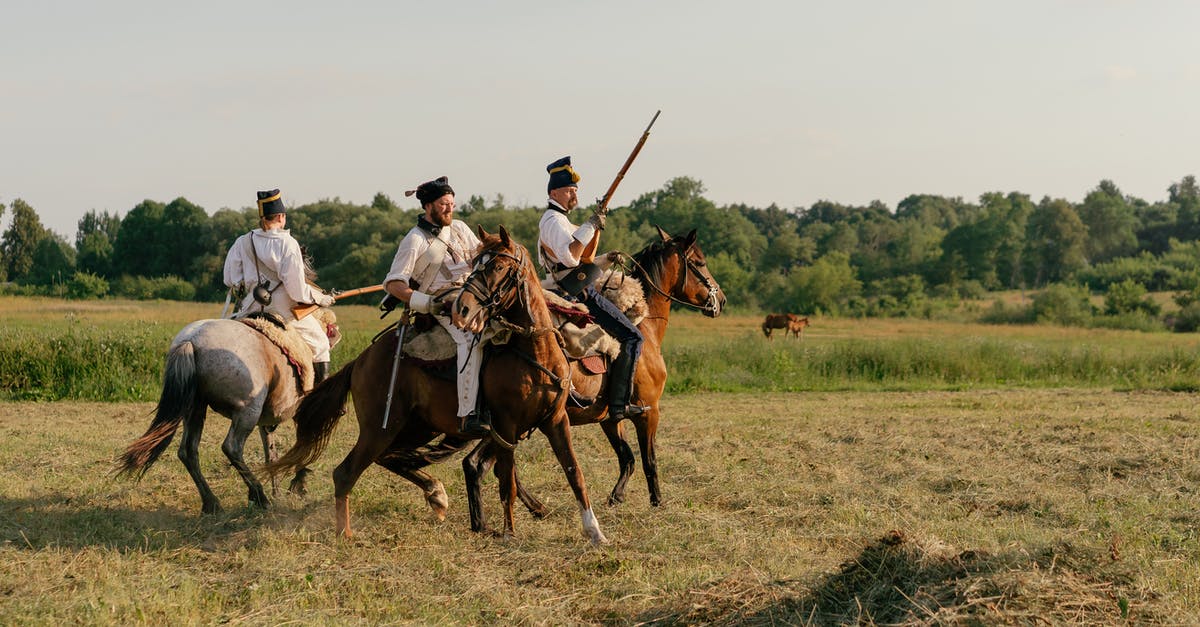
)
(989, 506)
(877, 472)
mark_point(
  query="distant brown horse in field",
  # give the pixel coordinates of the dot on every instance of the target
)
(789, 322)
(671, 270)
(522, 383)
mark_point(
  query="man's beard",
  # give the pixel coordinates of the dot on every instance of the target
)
(441, 219)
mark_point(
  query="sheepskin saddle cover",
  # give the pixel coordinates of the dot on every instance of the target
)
(294, 348)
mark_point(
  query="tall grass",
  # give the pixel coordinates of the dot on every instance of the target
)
(113, 351)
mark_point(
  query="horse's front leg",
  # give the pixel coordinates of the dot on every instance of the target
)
(507, 476)
(559, 434)
(614, 430)
(474, 465)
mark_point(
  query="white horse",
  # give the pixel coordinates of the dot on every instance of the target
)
(236, 370)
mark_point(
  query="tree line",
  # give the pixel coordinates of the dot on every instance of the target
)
(828, 258)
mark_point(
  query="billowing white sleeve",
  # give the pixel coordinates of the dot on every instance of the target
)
(405, 261)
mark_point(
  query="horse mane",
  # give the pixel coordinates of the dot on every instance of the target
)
(650, 260)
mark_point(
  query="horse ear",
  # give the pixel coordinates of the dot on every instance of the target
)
(689, 239)
(482, 233)
(663, 234)
(504, 239)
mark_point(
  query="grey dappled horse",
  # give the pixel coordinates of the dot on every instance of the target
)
(236, 370)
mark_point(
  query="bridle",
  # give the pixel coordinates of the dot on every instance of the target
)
(712, 303)
(492, 298)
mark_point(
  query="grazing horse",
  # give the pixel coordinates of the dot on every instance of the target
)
(789, 322)
(242, 375)
(672, 270)
(796, 327)
(523, 383)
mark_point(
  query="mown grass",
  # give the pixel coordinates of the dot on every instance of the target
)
(113, 350)
(1018, 506)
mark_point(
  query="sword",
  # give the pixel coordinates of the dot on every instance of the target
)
(401, 327)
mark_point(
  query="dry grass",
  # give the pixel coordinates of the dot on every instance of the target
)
(977, 507)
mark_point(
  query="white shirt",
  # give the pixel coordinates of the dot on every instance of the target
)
(279, 261)
(556, 234)
(461, 246)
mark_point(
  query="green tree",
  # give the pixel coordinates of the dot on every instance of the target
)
(20, 240)
(1111, 223)
(827, 285)
(53, 261)
(94, 237)
(1055, 240)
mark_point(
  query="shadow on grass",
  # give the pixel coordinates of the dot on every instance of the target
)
(69, 522)
(897, 581)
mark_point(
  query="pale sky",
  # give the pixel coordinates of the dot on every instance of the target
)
(104, 104)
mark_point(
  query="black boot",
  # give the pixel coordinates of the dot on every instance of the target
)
(620, 389)
(477, 424)
(320, 371)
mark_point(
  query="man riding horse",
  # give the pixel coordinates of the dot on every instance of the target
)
(561, 245)
(268, 258)
(435, 254)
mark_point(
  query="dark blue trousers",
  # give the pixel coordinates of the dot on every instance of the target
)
(613, 321)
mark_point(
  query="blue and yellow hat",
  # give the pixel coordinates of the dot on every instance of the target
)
(561, 175)
(270, 204)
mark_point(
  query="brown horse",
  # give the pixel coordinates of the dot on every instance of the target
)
(789, 322)
(672, 270)
(523, 384)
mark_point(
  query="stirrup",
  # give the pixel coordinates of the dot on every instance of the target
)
(629, 411)
(476, 425)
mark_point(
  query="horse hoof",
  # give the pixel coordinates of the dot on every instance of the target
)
(211, 508)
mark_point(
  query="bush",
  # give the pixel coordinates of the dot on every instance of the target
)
(85, 285)
(1063, 304)
(1188, 319)
(165, 288)
(1129, 297)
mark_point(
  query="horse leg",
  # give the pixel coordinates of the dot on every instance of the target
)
(241, 424)
(369, 446)
(615, 431)
(647, 428)
(270, 453)
(559, 434)
(474, 465)
(531, 502)
(506, 474)
(299, 483)
(431, 487)
(189, 454)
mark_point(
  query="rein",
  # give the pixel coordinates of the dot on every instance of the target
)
(490, 300)
(709, 305)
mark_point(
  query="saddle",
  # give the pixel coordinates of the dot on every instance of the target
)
(289, 342)
(430, 345)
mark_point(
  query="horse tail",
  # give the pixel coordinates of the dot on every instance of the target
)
(316, 416)
(177, 401)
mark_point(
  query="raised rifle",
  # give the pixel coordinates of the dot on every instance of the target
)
(589, 251)
(587, 272)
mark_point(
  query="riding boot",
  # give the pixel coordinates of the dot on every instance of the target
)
(320, 371)
(620, 388)
(477, 424)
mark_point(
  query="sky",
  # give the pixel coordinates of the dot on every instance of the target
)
(105, 104)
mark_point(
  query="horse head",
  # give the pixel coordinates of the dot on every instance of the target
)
(675, 267)
(497, 284)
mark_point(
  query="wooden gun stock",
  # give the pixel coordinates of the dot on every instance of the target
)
(303, 309)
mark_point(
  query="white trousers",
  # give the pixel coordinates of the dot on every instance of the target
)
(313, 333)
(470, 360)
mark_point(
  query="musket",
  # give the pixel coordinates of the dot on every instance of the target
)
(589, 251)
(303, 309)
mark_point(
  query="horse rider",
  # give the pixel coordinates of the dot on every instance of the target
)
(436, 253)
(560, 245)
(268, 258)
